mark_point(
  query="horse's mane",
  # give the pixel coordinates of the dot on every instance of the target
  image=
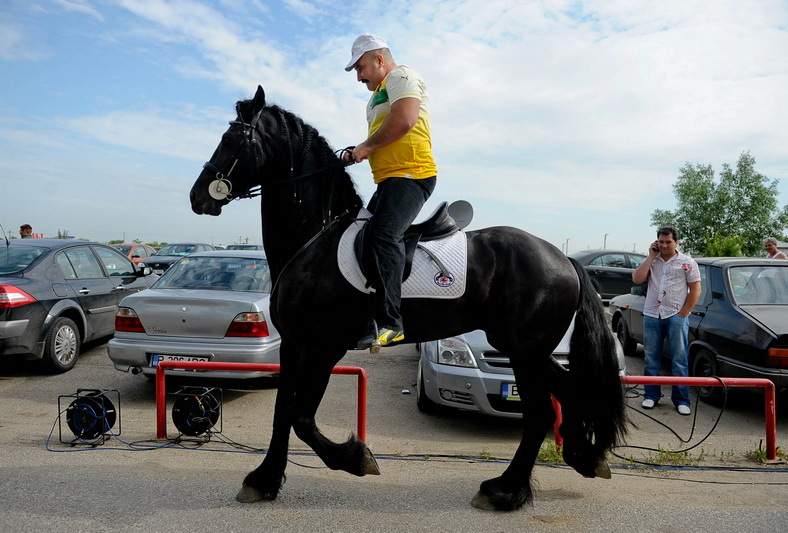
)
(304, 135)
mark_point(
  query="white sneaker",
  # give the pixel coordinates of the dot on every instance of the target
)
(648, 403)
(683, 409)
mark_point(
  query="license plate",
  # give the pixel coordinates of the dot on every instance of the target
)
(509, 392)
(156, 358)
(158, 271)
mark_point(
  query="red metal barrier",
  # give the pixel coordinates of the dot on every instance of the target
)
(161, 393)
(769, 399)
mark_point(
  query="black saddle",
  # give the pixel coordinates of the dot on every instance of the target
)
(439, 225)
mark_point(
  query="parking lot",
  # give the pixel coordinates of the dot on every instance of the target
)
(173, 489)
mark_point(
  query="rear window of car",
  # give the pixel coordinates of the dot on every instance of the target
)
(764, 285)
(15, 259)
(178, 249)
(218, 273)
(123, 249)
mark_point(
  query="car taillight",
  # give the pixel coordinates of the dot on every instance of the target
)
(127, 320)
(11, 296)
(248, 325)
(778, 357)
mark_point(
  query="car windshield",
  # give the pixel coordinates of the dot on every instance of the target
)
(762, 284)
(218, 273)
(15, 259)
(123, 249)
(177, 249)
(243, 247)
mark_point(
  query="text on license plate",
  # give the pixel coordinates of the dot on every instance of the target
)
(156, 358)
(509, 391)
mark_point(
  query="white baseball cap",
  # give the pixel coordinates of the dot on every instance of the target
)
(363, 44)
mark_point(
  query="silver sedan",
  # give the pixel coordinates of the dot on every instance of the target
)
(466, 373)
(209, 306)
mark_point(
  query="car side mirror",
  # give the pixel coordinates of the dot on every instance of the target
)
(144, 271)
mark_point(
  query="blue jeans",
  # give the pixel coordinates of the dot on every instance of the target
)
(675, 329)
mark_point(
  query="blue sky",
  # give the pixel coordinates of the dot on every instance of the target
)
(568, 119)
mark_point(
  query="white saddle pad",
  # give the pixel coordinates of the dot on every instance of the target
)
(425, 280)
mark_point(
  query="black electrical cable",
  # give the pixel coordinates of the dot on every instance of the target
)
(637, 394)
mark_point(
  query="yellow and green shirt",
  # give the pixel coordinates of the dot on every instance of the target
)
(411, 155)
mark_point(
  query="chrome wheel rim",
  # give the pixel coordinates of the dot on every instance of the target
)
(65, 345)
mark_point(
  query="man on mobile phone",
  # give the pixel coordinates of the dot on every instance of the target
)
(673, 290)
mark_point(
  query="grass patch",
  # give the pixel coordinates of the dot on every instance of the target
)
(550, 453)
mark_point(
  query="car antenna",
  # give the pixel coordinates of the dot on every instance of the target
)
(7, 244)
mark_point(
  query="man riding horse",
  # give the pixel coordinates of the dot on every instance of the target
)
(399, 150)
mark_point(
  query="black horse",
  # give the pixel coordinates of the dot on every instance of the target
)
(521, 291)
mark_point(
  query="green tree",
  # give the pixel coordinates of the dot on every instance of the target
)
(115, 241)
(720, 246)
(742, 203)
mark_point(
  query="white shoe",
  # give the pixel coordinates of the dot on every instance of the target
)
(648, 403)
(683, 409)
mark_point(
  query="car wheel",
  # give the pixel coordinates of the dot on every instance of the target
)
(627, 343)
(61, 346)
(423, 402)
(704, 365)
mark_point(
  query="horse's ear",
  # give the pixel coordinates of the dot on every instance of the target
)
(258, 102)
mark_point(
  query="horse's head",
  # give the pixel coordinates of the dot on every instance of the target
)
(235, 165)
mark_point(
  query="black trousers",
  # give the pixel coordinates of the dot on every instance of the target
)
(394, 207)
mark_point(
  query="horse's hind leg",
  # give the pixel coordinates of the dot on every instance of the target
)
(264, 482)
(513, 488)
(352, 456)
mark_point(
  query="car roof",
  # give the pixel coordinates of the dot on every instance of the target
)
(250, 254)
(583, 253)
(52, 244)
(185, 244)
(738, 261)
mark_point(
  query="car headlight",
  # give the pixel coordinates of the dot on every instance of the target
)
(456, 353)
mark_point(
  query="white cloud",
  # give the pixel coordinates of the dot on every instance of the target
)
(80, 6)
(14, 46)
(303, 8)
(176, 134)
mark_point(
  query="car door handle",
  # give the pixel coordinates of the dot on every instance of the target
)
(118, 288)
(84, 291)
(698, 313)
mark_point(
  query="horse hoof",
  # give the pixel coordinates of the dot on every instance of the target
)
(249, 494)
(482, 501)
(603, 470)
(369, 466)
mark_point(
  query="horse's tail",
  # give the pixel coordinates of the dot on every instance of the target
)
(594, 419)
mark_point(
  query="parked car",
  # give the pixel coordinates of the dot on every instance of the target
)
(57, 294)
(244, 247)
(136, 252)
(739, 328)
(610, 270)
(210, 306)
(466, 373)
(171, 253)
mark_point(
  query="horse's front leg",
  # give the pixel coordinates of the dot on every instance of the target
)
(352, 456)
(264, 482)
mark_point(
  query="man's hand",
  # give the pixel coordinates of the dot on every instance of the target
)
(361, 152)
(653, 250)
(683, 313)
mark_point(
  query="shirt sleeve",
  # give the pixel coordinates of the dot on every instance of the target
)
(693, 274)
(403, 84)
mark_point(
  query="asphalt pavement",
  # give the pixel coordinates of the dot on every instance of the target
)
(431, 465)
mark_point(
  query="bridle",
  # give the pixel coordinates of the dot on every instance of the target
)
(220, 188)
